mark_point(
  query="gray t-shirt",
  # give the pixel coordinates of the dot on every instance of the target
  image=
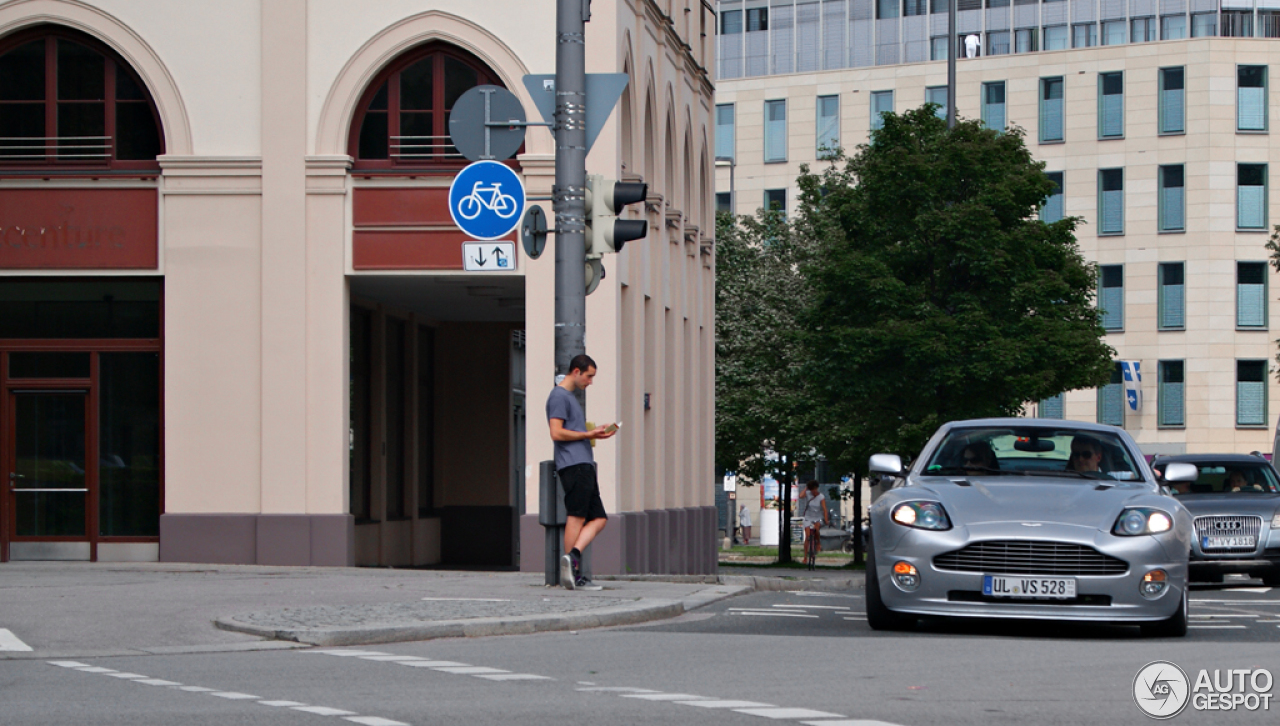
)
(563, 405)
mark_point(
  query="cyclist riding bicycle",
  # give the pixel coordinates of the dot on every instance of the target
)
(812, 506)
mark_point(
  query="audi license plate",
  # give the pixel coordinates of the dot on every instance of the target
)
(1046, 588)
(1218, 543)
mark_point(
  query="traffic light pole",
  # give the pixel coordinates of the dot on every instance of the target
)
(569, 194)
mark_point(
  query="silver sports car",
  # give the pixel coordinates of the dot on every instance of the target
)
(1029, 518)
(1235, 505)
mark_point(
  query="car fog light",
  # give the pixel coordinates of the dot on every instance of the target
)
(906, 576)
(1154, 584)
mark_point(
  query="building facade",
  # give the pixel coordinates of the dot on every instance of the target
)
(235, 324)
(1154, 119)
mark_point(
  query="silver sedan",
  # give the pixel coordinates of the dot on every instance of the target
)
(1029, 518)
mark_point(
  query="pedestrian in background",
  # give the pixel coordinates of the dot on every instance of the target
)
(576, 467)
(744, 521)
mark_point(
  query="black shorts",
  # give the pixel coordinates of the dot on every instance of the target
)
(581, 492)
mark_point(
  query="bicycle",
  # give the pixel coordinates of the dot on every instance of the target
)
(503, 205)
(812, 541)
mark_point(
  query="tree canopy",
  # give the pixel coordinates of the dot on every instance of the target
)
(933, 291)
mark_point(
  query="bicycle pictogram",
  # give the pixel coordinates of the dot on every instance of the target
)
(503, 205)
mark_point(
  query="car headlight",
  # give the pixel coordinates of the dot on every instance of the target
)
(921, 515)
(1275, 521)
(1133, 522)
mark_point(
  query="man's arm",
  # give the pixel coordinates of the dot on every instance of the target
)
(560, 433)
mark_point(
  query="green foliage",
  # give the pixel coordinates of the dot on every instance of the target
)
(935, 293)
(1273, 246)
(761, 401)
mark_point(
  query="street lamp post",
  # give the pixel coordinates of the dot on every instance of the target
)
(951, 63)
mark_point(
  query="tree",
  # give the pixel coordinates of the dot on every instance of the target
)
(936, 292)
(761, 398)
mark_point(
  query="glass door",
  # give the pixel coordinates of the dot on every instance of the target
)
(48, 482)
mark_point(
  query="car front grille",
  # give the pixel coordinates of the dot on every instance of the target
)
(1022, 557)
(1229, 525)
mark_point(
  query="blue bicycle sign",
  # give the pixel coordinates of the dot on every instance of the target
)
(486, 199)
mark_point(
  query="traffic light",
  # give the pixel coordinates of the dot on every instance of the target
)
(605, 199)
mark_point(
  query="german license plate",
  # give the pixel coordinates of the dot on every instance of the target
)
(1219, 543)
(1040, 588)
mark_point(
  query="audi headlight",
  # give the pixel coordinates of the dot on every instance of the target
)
(1133, 522)
(921, 515)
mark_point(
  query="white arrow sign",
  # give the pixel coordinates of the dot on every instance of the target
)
(489, 256)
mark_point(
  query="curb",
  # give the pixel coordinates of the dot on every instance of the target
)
(643, 611)
(853, 581)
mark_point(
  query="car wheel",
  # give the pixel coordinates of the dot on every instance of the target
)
(880, 617)
(1175, 626)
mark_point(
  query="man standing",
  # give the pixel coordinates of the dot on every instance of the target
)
(744, 521)
(576, 467)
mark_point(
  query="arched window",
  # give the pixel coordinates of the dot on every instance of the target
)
(70, 103)
(402, 121)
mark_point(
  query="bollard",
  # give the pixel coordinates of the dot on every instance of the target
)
(551, 515)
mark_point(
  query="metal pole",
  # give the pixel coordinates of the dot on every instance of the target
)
(951, 63)
(569, 193)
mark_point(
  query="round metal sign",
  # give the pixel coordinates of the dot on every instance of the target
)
(475, 109)
(485, 200)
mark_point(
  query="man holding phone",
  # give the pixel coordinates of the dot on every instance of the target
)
(576, 467)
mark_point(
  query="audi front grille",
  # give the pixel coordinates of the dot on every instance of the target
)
(1229, 525)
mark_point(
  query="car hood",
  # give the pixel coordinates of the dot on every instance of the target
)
(1263, 505)
(1036, 499)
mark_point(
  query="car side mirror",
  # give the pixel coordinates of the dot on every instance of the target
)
(1179, 471)
(890, 464)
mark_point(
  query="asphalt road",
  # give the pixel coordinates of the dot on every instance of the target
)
(804, 659)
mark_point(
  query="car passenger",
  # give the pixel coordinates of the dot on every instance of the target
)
(1236, 481)
(1086, 454)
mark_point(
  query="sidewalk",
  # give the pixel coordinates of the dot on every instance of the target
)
(85, 610)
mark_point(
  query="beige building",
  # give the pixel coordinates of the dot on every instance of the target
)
(235, 323)
(1154, 119)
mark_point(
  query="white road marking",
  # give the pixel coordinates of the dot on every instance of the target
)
(1225, 615)
(96, 669)
(374, 721)
(156, 682)
(125, 675)
(1236, 601)
(428, 663)
(465, 599)
(788, 713)
(233, 696)
(68, 664)
(1217, 627)
(390, 658)
(814, 607)
(726, 704)
(855, 617)
(469, 670)
(1251, 589)
(848, 722)
(619, 689)
(196, 689)
(514, 677)
(666, 697)
(9, 641)
(346, 653)
(1269, 621)
(779, 614)
(324, 711)
(809, 593)
(278, 704)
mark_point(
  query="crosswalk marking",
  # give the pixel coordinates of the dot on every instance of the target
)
(374, 721)
(11, 642)
(324, 711)
(776, 614)
(787, 713)
(513, 677)
(726, 704)
(814, 607)
(848, 722)
(665, 696)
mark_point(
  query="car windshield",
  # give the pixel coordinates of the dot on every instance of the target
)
(1059, 451)
(1228, 477)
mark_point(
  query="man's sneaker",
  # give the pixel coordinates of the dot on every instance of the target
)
(583, 583)
(567, 576)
